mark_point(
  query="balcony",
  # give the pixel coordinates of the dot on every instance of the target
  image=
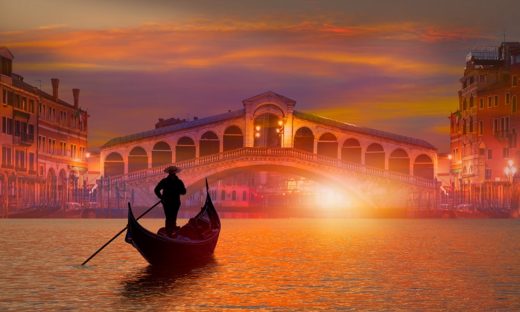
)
(24, 139)
(502, 135)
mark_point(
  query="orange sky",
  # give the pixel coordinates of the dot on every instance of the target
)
(391, 67)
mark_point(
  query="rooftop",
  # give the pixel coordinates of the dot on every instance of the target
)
(239, 113)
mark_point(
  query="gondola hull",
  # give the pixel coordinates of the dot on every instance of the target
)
(164, 251)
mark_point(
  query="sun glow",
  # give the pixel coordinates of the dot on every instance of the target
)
(332, 199)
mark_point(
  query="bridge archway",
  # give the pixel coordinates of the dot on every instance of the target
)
(423, 167)
(185, 149)
(399, 161)
(328, 145)
(375, 156)
(351, 151)
(114, 165)
(268, 130)
(233, 138)
(137, 159)
(196, 181)
(304, 139)
(209, 144)
(161, 154)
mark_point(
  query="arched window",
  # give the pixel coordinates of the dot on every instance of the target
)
(304, 140)
(244, 195)
(351, 151)
(268, 130)
(161, 154)
(233, 138)
(209, 144)
(234, 195)
(137, 159)
(328, 145)
(423, 167)
(185, 149)
(375, 156)
(514, 106)
(223, 195)
(399, 161)
(114, 165)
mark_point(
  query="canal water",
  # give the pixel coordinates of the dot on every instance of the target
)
(269, 264)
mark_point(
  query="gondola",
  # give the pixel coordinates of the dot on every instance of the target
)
(192, 243)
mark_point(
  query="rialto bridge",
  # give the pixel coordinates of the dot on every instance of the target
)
(268, 134)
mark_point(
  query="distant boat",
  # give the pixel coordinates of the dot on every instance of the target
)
(194, 242)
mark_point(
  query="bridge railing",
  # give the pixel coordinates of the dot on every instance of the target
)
(279, 153)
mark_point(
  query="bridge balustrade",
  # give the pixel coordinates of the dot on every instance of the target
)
(281, 152)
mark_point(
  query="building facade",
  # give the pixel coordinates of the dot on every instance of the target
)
(44, 142)
(485, 127)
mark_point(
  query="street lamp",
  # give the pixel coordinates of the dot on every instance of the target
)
(510, 170)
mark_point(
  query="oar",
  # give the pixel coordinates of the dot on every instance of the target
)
(106, 244)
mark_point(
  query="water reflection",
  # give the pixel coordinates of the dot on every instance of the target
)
(156, 281)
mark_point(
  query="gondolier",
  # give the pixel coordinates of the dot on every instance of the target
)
(172, 188)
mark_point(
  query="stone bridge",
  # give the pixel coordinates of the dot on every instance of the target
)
(268, 134)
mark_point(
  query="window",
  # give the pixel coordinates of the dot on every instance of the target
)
(31, 162)
(9, 126)
(471, 101)
(31, 106)
(489, 101)
(470, 124)
(508, 98)
(244, 195)
(513, 107)
(17, 128)
(488, 173)
(505, 152)
(490, 154)
(20, 160)
(4, 96)
(223, 195)
(481, 103)
(482, 151)
(6, 157)
(515, 81)
(480, 127)
(234, 195)
(496, 100)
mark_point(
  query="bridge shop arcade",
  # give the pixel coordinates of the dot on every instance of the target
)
(269, 135)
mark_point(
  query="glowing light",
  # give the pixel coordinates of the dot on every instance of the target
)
(257, 134)
(450, 157)
(331, 199)
(277, 130)
(280, 122)
(87, 155)
(510, 162)
(257, 128)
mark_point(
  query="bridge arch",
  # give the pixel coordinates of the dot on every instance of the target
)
(209, 144)
(399, 161)
(423, 167)
(375, 156)
(137, 159)
(185, 149)
(304, 139)
(161, 154)
(196, 180)
(114, 165)
(328, 145)
(233, 138)
(351, 151)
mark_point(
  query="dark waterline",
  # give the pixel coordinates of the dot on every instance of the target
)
(275, 264)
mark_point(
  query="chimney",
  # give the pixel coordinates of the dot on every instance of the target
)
(55, 84)
(75, 93)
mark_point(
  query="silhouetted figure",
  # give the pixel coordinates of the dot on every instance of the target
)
(172, 188)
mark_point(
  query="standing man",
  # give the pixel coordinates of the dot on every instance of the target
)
(172, 188)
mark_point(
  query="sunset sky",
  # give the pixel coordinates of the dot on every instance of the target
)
(389, 65)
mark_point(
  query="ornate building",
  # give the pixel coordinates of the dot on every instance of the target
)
(485, 127)
(43, 141)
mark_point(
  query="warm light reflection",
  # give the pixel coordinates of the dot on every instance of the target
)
(331, 199)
